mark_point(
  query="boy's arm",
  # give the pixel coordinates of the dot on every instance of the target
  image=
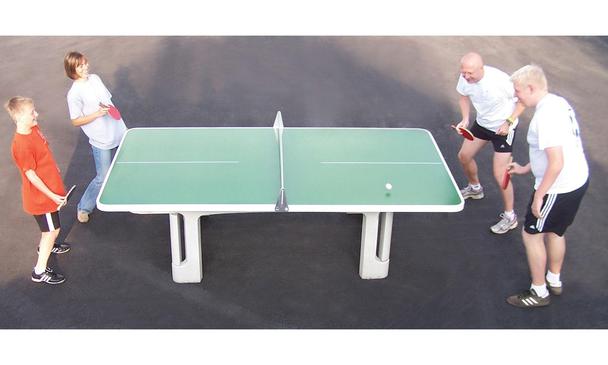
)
(40, 185)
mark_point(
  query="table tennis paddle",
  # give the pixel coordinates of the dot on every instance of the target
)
(67, 197)
(506, 177)
(112, 110)
(464, 132)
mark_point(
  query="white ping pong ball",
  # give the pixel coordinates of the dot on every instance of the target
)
(388, 186)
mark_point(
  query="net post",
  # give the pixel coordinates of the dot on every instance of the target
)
(281, 205)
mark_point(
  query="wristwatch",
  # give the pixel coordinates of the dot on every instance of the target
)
(510, 120)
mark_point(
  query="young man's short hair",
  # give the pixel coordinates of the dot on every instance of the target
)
(530, 74)
(72, 60)
(15, 105)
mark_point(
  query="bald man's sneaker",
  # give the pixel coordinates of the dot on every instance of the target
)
(505, 224)
(470, 192)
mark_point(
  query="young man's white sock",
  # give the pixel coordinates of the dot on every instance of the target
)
(541, 290)
(38, 272)
(510, 214)
(475, 186)
(553, 279)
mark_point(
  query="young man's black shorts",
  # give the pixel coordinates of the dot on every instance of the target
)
(500, 142)
(558, 212)
(48, 222)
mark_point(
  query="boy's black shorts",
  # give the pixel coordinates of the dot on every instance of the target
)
(48, 222)
(558, 212)
(501, 143)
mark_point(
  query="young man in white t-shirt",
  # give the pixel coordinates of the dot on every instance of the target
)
(492, 95)
(561, 174)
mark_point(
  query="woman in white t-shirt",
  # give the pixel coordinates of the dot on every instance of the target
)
(105, 133)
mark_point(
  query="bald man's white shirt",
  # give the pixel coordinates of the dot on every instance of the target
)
(493, 97)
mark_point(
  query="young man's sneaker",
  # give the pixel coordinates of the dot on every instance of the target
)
(83, 217)
(470, 192)
(58, 248)
(554, 290)
(528, 299)
(505, 224)
(48, 276)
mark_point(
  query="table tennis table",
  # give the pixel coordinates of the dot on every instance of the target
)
(188, 173)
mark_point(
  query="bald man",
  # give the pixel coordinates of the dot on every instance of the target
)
(493, 97)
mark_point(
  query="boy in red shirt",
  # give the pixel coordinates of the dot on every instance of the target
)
(42, 188)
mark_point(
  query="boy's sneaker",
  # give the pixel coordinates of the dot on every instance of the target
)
(469, 192)
(554, 290)
(528, 299)
(58, 248)
(48, 276)
(505, 224)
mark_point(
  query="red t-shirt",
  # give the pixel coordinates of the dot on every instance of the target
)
(32, 152)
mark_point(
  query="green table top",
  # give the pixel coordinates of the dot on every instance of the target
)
(238, 170)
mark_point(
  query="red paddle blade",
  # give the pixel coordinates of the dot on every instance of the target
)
(114, 113)
(466, 133)
(505, 180)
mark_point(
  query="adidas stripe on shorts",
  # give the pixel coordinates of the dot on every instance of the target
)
(48, 222)
(558, 212)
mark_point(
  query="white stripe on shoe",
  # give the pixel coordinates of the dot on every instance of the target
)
(529, 301)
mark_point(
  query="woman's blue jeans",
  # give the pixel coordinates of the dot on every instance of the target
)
(103, 159)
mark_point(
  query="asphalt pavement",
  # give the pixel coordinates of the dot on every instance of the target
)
(267, 271)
